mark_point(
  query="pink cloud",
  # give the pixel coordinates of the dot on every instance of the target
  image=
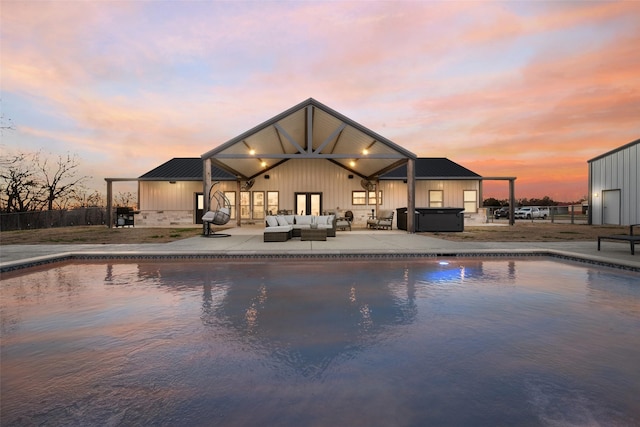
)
(403, 69)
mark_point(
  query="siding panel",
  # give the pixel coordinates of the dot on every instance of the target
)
(617, 170)
(308, 175)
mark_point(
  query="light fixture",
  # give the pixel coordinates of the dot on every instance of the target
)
(263, 163)
(252, 152)
(365, 150)
(352, 164)
(595, 195)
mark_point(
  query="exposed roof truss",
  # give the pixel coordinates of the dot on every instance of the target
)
(309, 130)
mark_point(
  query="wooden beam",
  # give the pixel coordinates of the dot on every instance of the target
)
(206, 188)
(512, 201)
(333, 135)
(309, 129)
(109, 203)
(411, 195)
(282, 131)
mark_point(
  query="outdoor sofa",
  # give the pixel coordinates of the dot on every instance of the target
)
(280, 228)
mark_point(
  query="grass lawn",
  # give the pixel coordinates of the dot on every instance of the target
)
(98, 234)
(532, 232)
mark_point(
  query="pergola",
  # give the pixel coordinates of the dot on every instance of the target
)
(311, 130)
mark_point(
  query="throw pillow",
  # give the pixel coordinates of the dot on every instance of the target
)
(272, 221)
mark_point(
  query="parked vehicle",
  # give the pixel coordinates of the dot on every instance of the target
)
(529, 212)
(503, 212)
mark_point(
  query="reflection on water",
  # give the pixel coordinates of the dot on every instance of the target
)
(310, 342)
(312, 314)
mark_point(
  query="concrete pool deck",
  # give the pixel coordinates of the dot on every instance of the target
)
(248, 241)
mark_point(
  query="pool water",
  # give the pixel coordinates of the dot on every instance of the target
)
(310, 342)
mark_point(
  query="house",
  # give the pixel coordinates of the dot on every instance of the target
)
(172, 193)
(614, 186)
(309, 159)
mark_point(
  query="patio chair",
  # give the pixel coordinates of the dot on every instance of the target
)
(344, 222)
(384, 220)
(219, 214)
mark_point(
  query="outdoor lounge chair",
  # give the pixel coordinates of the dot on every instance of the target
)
(344, 222)
(383, 221)
(631, 238)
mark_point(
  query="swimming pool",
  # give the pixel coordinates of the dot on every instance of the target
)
(321, 342)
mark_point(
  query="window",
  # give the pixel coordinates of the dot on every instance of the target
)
(359, 198)
(372, 198)
(245, 205)
(231, 196)
(470, 199)
(272, 202)
(436, 198)
(258, 205)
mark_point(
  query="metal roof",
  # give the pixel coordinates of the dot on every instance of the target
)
(309, 130)
(433, 168)
(184, 169)
(190, 169)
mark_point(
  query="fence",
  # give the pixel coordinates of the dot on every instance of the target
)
(557, 214)
(53, 218)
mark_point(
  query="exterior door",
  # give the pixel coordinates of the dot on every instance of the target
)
(308, 203)
(199, 210)
(611, 207)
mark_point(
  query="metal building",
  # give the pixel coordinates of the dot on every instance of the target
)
(614, 186)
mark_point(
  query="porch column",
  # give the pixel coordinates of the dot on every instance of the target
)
(238, 190)
(206, 166)
(512, 201)
(110, 202)
(377, 191)
(590, 196)
(207, 184)
(411, 195)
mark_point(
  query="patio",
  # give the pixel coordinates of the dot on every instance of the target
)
(248, 241)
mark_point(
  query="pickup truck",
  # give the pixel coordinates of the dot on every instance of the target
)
(529, 212)
(502, 212)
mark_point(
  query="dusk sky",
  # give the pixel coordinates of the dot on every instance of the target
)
(525, 89)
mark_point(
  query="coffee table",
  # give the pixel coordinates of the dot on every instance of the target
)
(313, 234)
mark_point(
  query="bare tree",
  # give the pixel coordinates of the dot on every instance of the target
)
(82, 198)
(125, 199)
(59, 179)
(19, 186)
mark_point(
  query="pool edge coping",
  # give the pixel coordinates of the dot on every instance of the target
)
(13, 266)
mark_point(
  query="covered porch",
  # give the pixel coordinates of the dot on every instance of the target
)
(305, 132)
